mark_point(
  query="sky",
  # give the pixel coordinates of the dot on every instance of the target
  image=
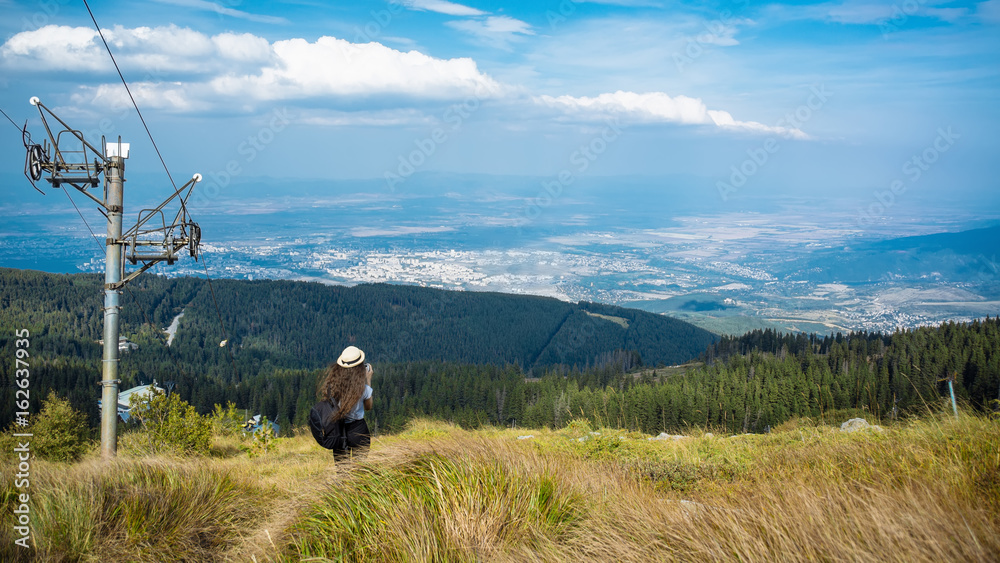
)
(873, 99)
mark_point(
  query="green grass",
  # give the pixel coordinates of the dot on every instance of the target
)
(668, 371)
(151, 509)
(923, 490)
(437, 507)
(617, 320)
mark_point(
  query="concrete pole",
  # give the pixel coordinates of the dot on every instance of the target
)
(112, 275)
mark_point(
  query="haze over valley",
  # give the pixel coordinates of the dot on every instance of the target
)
(666, 248)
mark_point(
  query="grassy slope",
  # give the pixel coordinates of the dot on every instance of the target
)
(923, 491)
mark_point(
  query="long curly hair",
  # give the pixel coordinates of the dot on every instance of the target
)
(343, 387)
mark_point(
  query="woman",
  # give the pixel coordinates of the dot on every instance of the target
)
(348, 382)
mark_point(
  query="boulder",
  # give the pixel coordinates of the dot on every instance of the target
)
(856, 424)
(665, 436)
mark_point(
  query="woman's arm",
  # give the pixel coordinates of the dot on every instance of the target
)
(368, 372)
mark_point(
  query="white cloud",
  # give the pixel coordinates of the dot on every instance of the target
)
(856, 13)
(237, 71)
(243, 47)
(720, 34)
(331, 66)
(442, 7)
(157, 52)
(366, 84)
(223, 10)
(171, 97)
(381, 118)
(657, 106)
(949, 15)
(865, 12)
(495, 30)
(173, 41)
(54, 47)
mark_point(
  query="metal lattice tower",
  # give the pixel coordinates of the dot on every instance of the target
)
(66, 158)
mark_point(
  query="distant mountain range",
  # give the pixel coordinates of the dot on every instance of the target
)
(961, 256)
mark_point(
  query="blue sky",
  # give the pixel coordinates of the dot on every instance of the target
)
(813, 98)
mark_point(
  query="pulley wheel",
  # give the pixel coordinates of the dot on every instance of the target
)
(35, 157)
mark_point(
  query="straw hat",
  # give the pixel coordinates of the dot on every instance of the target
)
(350, 357)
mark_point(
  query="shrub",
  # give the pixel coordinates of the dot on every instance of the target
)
(227, 421)
(264, 439)
(579, 426)
(60, 432)
(171, 423)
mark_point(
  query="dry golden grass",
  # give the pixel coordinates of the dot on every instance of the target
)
(924, 491)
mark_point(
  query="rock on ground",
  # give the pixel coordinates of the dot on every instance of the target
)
(856, 424)
(665, 436)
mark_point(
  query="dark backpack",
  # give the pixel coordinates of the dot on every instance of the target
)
(328, 433)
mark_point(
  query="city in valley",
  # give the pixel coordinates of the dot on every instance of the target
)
(728, 270)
